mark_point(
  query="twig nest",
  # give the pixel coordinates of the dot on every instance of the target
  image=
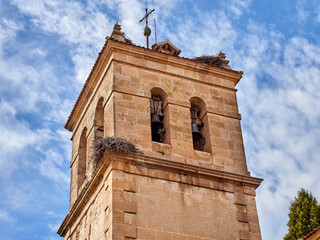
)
(104, 145)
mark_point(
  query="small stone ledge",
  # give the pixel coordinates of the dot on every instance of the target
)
(167, 166)
(181, 174)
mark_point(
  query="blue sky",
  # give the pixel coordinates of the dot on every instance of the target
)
(47, 48)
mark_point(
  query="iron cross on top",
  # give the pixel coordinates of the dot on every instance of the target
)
(147, 30)
(146, 16)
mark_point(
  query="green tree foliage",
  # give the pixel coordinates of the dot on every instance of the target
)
(304, 215)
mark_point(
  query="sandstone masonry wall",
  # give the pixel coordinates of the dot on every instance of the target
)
(169, 190)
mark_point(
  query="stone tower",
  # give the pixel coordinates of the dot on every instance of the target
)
(189, 179)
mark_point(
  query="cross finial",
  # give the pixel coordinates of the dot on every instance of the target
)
(147, 30)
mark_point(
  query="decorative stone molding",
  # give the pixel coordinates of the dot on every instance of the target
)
(166, 47)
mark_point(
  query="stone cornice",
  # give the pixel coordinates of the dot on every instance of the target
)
(184, 63)
(173, 166)
(150, 163)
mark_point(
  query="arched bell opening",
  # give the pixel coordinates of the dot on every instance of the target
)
(99, 119)
(82, 158)
(199, 125)
(159, 115)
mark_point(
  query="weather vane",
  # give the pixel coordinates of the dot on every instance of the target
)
(147, 30)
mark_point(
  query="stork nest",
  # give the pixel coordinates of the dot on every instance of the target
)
(105, 145)
(212, 60)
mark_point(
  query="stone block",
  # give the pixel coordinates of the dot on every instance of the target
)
(182, 148)
(174, 70)
(209, 79)
(202, 156)
(129, 70)
(137, 61)
(146, 234)
(146, 75)
(156, 66)
(249, 190)
(190, 74)
(124, 206)
(124, 230)
(240, 199)
(120, 56)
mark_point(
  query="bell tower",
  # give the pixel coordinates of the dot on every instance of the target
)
(157, 149)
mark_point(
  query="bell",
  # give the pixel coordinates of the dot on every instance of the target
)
(195, 131)
(156, 122)
(147, 31)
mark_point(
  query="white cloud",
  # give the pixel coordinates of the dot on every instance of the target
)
(237, 7)
(318, 14)
(18, 197)
(32, 100)
(26, 87)
(281, 121)
(6, 217)
(51, 167)
(60, 110)
(16, 136)
(12, 140)
(277, 96)
(83, 27)
(75, 22)
(302, 14)
(39, 52)
(54, 227)
(8, 29)
(130, 12)
(65, 143)
(200, 32)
